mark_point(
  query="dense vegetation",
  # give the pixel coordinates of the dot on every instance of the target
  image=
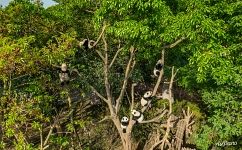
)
(201, 40)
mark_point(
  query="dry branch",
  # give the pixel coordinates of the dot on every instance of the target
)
(103, 29)
(132, 100)
(115, 56)
(156, 119)
(127, 74)
(99, 95)
(104, 119)
(175, 43)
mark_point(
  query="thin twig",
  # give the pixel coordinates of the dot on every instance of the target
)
(99, 95)
(104, 119)
(175, 43)
(115, 56)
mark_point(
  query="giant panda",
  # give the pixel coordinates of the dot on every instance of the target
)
(124, 123)
(64, 74)
(87, 44)
(158, 68)
(146, 99)
(137, 116)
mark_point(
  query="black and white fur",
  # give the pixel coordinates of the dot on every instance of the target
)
(146, 99)
(124, 123)
(64, 74)
(158, 68)
(86, 43)
(137, 116)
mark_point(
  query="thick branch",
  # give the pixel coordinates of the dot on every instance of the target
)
(127, 74)
(156, 119)
(106, 81)
(158, 80)
(173, 75)
(161, 73)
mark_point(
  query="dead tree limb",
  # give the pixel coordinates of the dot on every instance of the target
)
(156, 119)
(100, 36)
(115, 56)
(106, 74)
(161, 73)
(130, 65)
(175, 43)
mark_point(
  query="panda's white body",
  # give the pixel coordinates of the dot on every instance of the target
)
(144, 102)
(138, 116)
(146, 99)
(141, 118)
(124, 123)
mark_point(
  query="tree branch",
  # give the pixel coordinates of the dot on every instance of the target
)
(104, 119)
(132, 100)
(156, 119)
(127, 74)
(161, 73)
(103, 29)
(106, 81)
(100, 55)
(163, 60)
(174, 44)
(99, 95)
(50, 132)
(115, 56)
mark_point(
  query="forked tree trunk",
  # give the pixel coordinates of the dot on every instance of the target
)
(125, 137)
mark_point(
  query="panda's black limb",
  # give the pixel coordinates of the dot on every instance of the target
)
(124, 130)
(62, 83)
(159, 66)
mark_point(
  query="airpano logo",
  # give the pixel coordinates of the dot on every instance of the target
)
(226, 143)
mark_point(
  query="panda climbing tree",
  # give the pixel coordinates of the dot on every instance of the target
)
(124, 123)
(87, 44)
(114, 104)
(137, 116)
(64, 75)
(158, 67)
(146, 99)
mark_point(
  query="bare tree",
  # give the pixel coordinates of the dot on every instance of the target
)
(114, 108)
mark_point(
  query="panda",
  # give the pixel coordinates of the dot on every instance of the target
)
(64, 74)
(158, 68)
(145, 100)
(137, 116)
(124, 123)
(87, 44)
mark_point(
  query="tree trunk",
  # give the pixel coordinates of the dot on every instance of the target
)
(125, 137)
